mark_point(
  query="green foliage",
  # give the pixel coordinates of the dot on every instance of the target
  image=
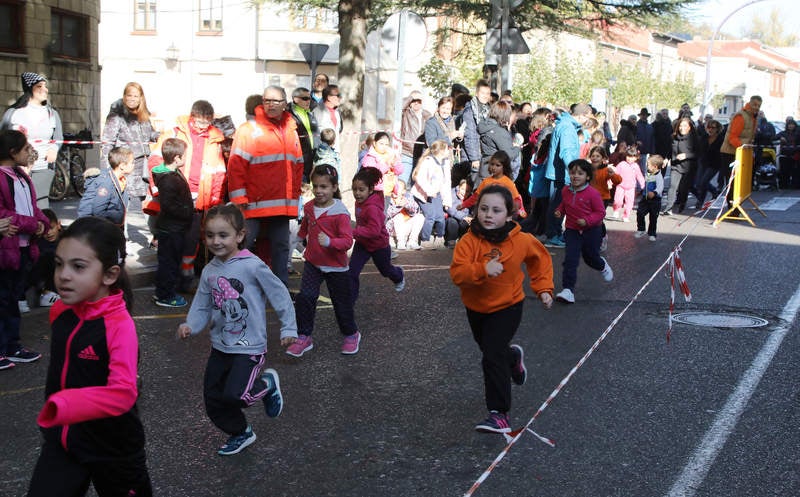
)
(572, 80)
(770, 31)
(435, 75)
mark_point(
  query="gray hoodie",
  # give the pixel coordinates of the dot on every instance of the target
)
(232, 298)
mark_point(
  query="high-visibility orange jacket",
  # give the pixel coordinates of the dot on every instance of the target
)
(265, 169)
(210, 188)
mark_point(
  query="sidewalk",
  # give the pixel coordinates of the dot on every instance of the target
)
(141, 261)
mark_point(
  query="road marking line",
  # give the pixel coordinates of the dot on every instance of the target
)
(696, 470)
(22, 390)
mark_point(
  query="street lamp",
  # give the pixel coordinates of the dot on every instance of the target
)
(707, 88)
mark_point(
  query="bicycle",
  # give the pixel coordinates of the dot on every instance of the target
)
(70, 166)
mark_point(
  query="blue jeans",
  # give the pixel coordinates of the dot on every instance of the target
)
(340, 291)
(553, 224)
(408, 166)
(584, 243)
(434, 217)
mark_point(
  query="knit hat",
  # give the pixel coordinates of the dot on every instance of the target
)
(29, 80)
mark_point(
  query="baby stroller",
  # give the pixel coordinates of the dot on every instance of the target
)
(765, 172)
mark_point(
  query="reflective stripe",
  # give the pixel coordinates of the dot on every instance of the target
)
(266, 159)
(265, 204)
(241, 153)
(241, 192)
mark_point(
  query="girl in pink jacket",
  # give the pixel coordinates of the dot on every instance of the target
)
(626, 190)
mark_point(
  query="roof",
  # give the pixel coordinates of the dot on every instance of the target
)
(755, 53)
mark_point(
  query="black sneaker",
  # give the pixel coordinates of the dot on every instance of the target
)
(5, 363)
(518, 372)
(24, 355)
(237, 443)
(273, 401)
(176, 301)
(497, 422)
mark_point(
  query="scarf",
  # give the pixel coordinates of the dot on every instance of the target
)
(496, 235)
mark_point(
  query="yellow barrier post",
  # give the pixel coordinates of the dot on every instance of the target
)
(742, 186)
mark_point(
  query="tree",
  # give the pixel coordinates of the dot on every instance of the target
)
(357, 16)
(770, 31)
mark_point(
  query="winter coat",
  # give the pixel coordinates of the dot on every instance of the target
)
(412, 129)
(9, 245)
(177, 209)
(494, 137)
(265, 169)
(564, 148)
(208, 186)
(52, 131)
(689, 145)
(104, 196)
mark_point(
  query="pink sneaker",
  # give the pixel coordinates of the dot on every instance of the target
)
(350, 344)
(303, 344)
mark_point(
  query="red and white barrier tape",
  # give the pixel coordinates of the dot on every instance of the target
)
(677, 278)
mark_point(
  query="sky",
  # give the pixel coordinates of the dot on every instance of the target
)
(714, 11)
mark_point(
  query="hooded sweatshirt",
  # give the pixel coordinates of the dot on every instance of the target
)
(481, 293)
(231, 297)
(370, 230)
(335, 223)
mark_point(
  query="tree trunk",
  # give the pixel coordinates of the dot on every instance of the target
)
(353, 15)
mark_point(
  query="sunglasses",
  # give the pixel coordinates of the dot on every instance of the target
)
(304, 98)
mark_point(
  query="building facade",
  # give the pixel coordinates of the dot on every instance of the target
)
(58, 39)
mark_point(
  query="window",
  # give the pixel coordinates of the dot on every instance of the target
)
(777, 84)
(69, 34)
(315, 19)
(144, 15)
(210, 15)
(12, 23)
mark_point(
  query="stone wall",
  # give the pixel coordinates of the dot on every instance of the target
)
(74, 85)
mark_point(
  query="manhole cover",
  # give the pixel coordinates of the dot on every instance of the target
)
(719, 320)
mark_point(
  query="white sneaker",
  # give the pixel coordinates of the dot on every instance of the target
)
(652, 238)
(398, 287)
(48, 299)
(608, 273)
(566, 295)
(23, 306)
(639, 234)
(414, 246)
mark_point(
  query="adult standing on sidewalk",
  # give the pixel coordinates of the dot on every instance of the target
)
(38, 120)
(265, 172)
(306, 127)
(412, 131)
(128, 125)
(741, 131)
(327, 113)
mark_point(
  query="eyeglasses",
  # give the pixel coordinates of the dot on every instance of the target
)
(269, 101)
(333, 94)
(416, 101)
(304, 98)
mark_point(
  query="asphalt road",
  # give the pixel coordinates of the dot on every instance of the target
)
(714, 412)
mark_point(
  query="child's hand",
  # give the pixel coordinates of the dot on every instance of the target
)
(324, 239)
(286, 341)
(611, 170)
(184, 331)
(494, 267)
(13, 229)
(581, 222)
(651, 194)
(547, 299)
(557, 214)
(5, 225)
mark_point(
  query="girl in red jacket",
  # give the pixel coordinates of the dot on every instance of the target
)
(371, 236)
(326, 229)
(583, 207)
(92, 432)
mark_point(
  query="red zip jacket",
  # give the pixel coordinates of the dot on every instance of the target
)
(335, 223)
(585, 203)
(370, 230)
(91, 381)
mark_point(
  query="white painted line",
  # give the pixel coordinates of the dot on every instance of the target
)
(696, 470)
